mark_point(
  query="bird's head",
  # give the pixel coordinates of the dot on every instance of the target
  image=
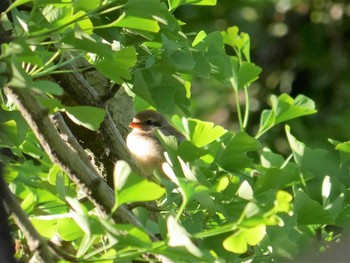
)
(148, 121)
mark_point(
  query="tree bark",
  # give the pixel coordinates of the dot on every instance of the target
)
(89, 88)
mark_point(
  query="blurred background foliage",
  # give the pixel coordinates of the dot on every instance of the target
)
(302, 46)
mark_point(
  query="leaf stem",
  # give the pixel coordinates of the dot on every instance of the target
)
(181, 209)
(216, 231)
(239, 113)
(247, 107)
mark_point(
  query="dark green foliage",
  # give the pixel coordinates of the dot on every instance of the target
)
(227, 196)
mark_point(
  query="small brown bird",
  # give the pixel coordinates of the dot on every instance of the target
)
(143, 143)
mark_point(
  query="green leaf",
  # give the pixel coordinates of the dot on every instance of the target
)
(139, 189)
(310, 212)
(48, 86)
(270, 159)
(190, 152)
(239, 42)
(242, 143)
(17, 3)
(178, 237)
(82, 5)
(277, 178)
(233, 162)
(68, 229)
(245, 191)
(234, 157)
(255, 235)
(238, 242)
(247, 73)
(202, 133)
(141, 15)
(343, 148)
(121, 173)
(83, 222)
(21, 51)
(45, 227)
(306, 157)
(83, 41)
(89, 117)
(149, 85)
(192, 189)
(283, 201)
(173, 4)
(137, 22)
(31, 148)
(133, 188)
(202, 66)
(285, 108)
(117, 67)
(29, 202)
(20, 79)
(8, 134)
(212, 46)
(178, 54)
(230, 36)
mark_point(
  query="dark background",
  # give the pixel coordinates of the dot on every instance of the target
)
(303, 48)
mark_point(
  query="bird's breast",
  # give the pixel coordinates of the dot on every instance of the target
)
(147, 150)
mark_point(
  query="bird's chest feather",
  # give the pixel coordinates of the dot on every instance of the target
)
(145, 149)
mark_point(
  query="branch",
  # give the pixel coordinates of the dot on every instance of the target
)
(37, 245)
(80, 172)
(89, 88)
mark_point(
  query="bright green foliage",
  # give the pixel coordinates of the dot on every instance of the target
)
(224, 196)
(132, 188)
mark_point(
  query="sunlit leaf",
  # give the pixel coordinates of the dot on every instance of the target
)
(271, 159)
(343, 148)
(29, 202)
(68, 230)
(89, 117)
(245, 191)
(140, 190)
(283, 201)
(173, 4)
(121, 173)
(46, 228)
(238, 242)
(255, 235)
(202, 133)
(285, 108)
(178, 237)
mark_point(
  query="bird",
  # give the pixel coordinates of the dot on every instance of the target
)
(143, 143)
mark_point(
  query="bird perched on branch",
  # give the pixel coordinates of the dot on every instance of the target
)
(143, 143)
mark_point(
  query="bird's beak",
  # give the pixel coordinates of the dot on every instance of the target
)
(135, 125)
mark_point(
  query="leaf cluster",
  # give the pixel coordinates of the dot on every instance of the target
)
(225, 195)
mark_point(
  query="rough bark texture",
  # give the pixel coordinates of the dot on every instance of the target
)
(71, 160)
(90, 88)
